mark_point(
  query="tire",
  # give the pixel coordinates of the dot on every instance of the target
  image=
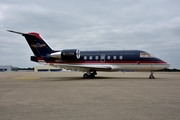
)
(92, 75)
(85, 75)
(151, 77)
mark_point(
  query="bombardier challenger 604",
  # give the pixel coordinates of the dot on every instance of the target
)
(90, 62)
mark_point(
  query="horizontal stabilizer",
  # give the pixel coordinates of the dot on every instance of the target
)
(16, 32)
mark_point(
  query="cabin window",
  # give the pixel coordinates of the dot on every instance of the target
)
(96, 57)
(85, 57)
(120, 57)
(90, 57)
(114, 57)
(108, 57)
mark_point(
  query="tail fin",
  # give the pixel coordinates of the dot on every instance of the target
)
(36, 43)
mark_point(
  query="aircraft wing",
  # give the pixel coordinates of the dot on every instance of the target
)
(83, 68)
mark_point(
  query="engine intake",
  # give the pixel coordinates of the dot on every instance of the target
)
(67, 54)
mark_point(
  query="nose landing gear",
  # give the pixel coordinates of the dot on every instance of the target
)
(151, 75)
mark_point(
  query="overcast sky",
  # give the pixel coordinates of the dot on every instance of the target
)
(153, 26)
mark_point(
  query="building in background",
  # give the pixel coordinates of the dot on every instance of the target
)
(8, 68)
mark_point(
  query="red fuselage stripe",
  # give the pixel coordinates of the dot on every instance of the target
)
(106, 62)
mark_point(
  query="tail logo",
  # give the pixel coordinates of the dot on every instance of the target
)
(38, 45)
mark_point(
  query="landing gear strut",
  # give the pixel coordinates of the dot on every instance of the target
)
(90, 74)
(151, 75)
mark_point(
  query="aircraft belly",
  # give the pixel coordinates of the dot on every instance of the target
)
(111, 67)
(140, 67)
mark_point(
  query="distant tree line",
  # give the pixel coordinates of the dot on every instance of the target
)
(169, 70)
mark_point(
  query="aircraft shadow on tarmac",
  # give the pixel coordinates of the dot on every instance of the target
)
(96, 78)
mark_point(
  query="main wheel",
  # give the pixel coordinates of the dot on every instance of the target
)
(92, 75)
(85, 75)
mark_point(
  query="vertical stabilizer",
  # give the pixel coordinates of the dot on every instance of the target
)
(38, 46)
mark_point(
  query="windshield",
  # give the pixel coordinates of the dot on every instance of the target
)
(146, 55)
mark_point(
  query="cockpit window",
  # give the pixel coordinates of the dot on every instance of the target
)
(145, 55)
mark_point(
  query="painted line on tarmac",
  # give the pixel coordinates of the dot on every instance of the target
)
(27, 78)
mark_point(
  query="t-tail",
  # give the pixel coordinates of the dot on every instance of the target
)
(38, 46)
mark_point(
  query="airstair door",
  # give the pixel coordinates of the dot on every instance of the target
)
(102, 59)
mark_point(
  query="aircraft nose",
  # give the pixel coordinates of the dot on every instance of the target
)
(166, 65)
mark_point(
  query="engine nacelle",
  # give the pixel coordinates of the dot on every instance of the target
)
(67, 54)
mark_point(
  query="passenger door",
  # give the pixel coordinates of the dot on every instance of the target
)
(102, 58)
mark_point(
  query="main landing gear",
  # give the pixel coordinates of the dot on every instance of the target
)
(90, 74)
(151, 75)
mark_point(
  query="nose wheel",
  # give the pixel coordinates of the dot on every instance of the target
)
(89, 74)
(151, 75)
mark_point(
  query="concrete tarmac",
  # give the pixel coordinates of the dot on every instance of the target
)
(110, 96)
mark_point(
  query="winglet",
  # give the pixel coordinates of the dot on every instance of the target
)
(16, 32)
